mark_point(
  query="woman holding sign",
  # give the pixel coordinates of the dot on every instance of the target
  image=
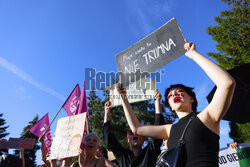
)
(201, 134)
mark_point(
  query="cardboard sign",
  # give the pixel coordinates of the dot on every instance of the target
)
(229, 157)
(151, 53)
(25, 143)
(68, 136)
(140, 90)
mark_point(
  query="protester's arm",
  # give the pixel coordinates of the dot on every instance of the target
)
(108, 137)
(224, 82)
(155, 144)
(22, 156)
(108, 163)
(107, 111)
(66, 162)
(43, 152)
(233, 145)
(161, 132)
(158, 97)
(81, 158)
(53, 163)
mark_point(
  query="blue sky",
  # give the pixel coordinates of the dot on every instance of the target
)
(46, 45)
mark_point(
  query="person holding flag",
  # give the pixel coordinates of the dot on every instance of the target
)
(77, 103)
(42, 130)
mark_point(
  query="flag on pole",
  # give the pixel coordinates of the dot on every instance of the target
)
(83, 107)
(72, 103)
(39, 128)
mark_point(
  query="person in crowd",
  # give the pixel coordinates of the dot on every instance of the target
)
(87, 157)
(103, 153)
(48, 163)
(202, 136)
(137, 157)
(8, 160)
(233, 145)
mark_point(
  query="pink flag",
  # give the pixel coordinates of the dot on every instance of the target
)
(83, 107)
(39, 128)
(72, 103)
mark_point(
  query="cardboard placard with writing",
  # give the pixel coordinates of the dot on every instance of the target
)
(149, 54)
(229, 157)
(140, 90)
(68, 136)
(25, 143)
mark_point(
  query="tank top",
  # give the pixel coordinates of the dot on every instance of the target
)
(202, 145)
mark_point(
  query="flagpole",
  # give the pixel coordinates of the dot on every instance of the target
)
(53, 119)
(59, 110)
(24, 133)
(87, 125)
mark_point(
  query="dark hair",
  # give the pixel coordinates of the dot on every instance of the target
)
(187, 89)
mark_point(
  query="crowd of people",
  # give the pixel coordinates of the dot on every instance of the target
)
(201, 138)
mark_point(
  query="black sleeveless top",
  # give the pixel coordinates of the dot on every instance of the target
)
(202, 145)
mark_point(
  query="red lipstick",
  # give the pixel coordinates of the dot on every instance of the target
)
(177, 100)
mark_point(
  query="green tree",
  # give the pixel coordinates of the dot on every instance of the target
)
(30, 155)
(232, 37)
(3, 128)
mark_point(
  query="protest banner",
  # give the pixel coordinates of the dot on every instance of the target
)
(149, 54)
(68, 136)
(42, 128)
(229, 157)
(25, 143)
(72, 102)
(140, 90)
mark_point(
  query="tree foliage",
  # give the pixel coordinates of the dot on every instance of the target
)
(30, 155)
(3, 129)
(232, 37)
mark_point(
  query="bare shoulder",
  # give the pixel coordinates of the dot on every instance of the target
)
(209, 122)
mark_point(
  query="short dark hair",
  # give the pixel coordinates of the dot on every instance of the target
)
(187, 89)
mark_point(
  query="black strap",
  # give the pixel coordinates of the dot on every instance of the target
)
(181, 140)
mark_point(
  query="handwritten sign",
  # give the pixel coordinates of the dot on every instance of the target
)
(68, 136)
(229, 157)
(140, 90)
(151, 53)
(25, 143)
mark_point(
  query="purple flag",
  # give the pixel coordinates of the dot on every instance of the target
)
(72, 103)
(39, 128)
(83, 107)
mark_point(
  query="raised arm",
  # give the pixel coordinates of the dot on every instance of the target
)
(224, 82)
(161, 132)
(158, 97)
(43, 153)
(108, 137)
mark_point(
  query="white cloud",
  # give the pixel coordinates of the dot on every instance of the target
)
(145, 12)
(22, 92)
(26, 77)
